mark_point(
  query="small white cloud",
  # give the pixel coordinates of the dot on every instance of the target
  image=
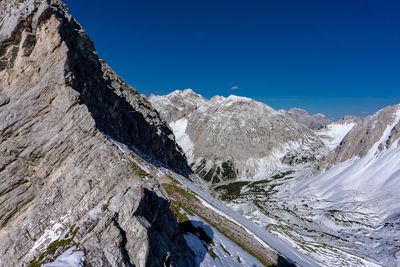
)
(234, 87)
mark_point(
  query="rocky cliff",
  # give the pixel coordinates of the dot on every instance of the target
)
(64, 116)
(226, 138)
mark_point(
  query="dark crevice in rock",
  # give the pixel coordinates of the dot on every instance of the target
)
(124, 251)
(157, 212)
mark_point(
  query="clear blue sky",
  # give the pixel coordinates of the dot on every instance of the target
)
(331, 56)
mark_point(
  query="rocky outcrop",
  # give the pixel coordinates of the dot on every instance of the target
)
(314, 122)
(65, 180)
(226, 138)
(366, 134)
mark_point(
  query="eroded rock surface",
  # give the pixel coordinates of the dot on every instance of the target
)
(63, 177)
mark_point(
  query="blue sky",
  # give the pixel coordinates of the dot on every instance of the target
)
(336, 57)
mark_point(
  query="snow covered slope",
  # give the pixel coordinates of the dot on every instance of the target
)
(359, 196)
(349, 213)
(254, 238)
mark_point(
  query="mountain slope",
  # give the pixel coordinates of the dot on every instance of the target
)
(360, 187)
(347, 214)
(63, 180)
(227, 138)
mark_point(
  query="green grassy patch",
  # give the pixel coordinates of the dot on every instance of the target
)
(91, 228)
(230, 191)
(173, 180)
(228, 170)
(176, 209)
(105, 207)
(139, 171)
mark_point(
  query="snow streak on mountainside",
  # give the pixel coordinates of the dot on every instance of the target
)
(235, 137)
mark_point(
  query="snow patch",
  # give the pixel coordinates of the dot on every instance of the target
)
(69, 258)
(52, 234)
(183, 140)
(123, 148)
(334, 133)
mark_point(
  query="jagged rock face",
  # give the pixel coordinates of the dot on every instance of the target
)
(314, 122)
(63, 179)
(359, 141)
(225, 138)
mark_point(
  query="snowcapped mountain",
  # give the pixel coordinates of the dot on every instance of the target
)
(352, 199)
(235, 137)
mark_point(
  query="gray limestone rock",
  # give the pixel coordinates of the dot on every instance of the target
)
(63, 179)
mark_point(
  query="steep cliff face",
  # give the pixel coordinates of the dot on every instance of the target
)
(64, 179)
(226, 138)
